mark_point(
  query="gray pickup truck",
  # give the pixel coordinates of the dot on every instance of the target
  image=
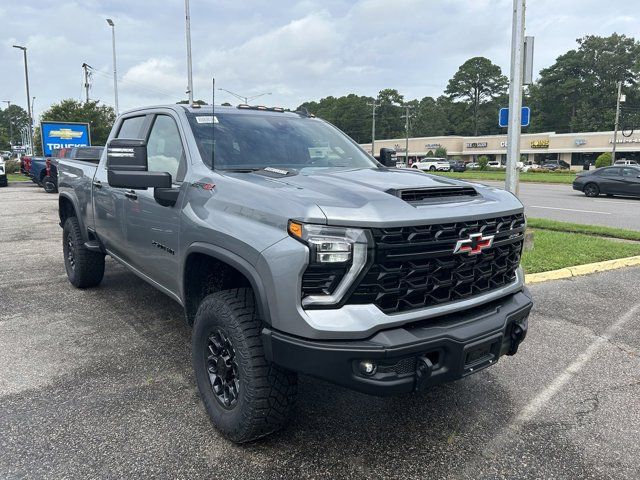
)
(293, 251)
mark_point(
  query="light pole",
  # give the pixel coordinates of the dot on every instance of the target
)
(245, 100)
(26, 79)
(515, 96)
(406, 128)
(189, 68)
(615, 128)
(373, 105)
(8, 102)
(115, 70)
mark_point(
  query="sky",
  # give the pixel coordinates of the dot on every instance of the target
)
(297, 51)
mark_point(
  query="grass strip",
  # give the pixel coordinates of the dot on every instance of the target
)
(546, 224)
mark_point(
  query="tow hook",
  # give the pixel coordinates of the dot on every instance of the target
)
(518, 332)
(423, 370)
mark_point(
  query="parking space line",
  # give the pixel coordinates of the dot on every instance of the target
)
(569, 209)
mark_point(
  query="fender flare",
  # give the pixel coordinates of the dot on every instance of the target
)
(74, 204)
(240, 264)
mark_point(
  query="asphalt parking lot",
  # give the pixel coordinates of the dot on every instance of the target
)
(561, 202)
(98, 383)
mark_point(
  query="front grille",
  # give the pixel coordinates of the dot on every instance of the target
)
(318, 280)
(415, 267)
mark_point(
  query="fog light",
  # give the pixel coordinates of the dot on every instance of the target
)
(367, 368)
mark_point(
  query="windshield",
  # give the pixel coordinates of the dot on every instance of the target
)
(247, 141)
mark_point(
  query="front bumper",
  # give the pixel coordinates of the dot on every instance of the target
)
(413, 356)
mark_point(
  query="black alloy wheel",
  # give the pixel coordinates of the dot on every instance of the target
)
(591, 190)
(220, 359)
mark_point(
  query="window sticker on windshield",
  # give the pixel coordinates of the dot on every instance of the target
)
(207, 119)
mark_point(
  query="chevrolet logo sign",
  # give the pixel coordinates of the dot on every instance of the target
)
(65, 134)
(474, 244)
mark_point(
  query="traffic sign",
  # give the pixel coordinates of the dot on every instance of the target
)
(503, 117)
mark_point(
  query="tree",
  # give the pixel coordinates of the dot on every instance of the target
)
(195, 102)
(483, 162)
(477, 82)
(19, 119)
(604, 159)
(429, 118)
(578, 92)
(99, 117)
(441, 152)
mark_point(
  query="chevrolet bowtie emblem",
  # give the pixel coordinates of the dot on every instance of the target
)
(65, 134)
(474, 244)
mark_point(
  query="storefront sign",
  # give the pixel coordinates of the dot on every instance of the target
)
(503, 144)
(540, 144)
(626, 140)
(477, 145)
(580, 142)
(431, 145)
(398, 148)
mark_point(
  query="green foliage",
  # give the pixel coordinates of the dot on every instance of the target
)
(19, 119)
(483, 161)
(441, 152)
(578, 92)
(99, 117)
(476, 83)
(196, 102)
(603, 160)
(12, 166)
(430, 153)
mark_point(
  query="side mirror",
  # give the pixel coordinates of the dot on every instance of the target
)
(127, 166)
(387, 157)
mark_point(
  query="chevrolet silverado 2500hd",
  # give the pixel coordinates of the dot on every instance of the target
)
(293, 251)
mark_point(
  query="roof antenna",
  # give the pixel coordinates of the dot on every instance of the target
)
(213, 123)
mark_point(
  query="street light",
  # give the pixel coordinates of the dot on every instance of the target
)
(115, 71)
(26, 79)
(8, 102)
(245, 100)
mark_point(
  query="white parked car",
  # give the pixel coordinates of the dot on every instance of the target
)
(626, 162)
(3, 174)
(473, 165)
(495, 164)
(432, 164)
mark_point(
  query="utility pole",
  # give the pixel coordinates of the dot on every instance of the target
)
(373, 105)
(615, 128)
(515, 96)
(8, 102)
(86, 68)
(189, 71)
(406, 128)
(115, 70)
(29, 112)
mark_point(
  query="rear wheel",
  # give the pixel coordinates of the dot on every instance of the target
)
(246, 396)
(50, 184)
(591, 190)
(84, 267)
(432, 168)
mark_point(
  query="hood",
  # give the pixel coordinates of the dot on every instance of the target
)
(369, 197)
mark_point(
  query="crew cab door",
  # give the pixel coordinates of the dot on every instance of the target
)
(109, 202)
(153, 229)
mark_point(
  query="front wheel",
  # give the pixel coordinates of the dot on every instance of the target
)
(84, 268)
(246, 396)
(591, 190)
(50, 184)
(432, 168)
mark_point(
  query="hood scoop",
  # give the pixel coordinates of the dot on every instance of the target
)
(423, 195)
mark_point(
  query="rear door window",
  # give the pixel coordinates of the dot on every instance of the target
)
(131, 127)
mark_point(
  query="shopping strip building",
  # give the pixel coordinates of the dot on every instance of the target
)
(573, 148)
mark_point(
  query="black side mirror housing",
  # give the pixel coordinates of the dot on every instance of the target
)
(387, 157)
(127, 166)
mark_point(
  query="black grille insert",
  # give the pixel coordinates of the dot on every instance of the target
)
(320, 280)
(415, 267)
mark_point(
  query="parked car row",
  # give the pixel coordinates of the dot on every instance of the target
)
(44, 170)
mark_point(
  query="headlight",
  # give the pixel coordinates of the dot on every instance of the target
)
(331, 248)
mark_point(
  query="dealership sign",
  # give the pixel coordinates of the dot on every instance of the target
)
(63, 135)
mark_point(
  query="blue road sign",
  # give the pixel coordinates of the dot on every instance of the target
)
(63, 135)
(503, 117)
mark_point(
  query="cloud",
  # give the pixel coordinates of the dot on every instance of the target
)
(296, 50)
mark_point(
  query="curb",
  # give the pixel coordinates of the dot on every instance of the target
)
(580, 270)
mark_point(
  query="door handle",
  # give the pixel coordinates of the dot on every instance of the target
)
(131, 194)
(97, 184)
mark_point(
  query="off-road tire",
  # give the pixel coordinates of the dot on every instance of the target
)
(50, 184)
(84, 268)
(266, 392)
(591, 190)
